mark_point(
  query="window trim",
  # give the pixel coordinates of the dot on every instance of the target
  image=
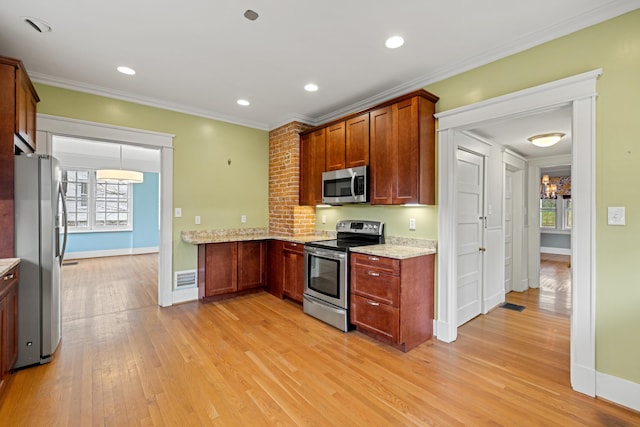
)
(561, 216)
(92, 211)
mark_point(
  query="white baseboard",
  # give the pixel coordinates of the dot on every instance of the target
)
(110, 252)
(555, 251)
(440, 329)
(493, 301)
(618, 390)
(184, 295)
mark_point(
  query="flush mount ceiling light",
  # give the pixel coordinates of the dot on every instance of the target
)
(243, 102)
(129, 176)
(37, 24)
(126, 70)
(251, 15)
(394, 42)
(546, 139)
(311, 87)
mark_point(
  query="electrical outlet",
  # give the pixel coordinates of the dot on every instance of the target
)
(324, 219)
(178, 212)
(412, 223)
(243, 219)
(197, 219)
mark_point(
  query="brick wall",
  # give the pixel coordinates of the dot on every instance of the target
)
(285, 216)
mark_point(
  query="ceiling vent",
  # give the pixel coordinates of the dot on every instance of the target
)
(37, 24)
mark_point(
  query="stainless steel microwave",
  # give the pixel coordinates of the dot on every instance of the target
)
(346, 186)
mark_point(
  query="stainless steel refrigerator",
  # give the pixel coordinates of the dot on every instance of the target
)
(40, 241)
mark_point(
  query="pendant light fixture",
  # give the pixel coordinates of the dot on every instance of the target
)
(129, 176)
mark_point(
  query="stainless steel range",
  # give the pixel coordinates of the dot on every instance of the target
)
(326, 270)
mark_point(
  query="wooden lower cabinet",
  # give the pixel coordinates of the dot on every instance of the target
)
(392, 300)
(8, 325)
(275, 267)
(293, 271)
(252, 267)
(227, 269)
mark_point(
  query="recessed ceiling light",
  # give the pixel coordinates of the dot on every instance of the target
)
(37, 24)
(243, 102)
(394, 42)
(126, 70)
(251, 15)
(311, 87)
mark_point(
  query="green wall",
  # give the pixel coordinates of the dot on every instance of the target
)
(203, 183)
(396, 218)
(613, 46)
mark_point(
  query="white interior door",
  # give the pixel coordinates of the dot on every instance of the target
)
(508, 231)
(469, 223)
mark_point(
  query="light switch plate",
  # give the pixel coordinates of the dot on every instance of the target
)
(615, 215)
(197, 219)
(178, 212)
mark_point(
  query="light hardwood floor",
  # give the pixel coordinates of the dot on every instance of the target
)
(259, 361)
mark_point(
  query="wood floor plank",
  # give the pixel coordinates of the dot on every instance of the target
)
(260, 361)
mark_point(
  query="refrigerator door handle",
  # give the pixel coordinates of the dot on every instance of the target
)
(63, 221)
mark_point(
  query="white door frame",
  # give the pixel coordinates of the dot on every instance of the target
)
(579, 92)
(53, 125)
(534, 219)
(518, 165)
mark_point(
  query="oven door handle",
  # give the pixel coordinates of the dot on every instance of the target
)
(339, 256)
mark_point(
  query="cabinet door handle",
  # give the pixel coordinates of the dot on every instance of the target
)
(373, 303)
(373, 258)
(373, 273)
(8, 276)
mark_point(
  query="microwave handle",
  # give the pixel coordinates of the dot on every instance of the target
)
(353, 184)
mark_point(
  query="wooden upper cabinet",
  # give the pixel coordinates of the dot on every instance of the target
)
(335, 152)
(382, 171)
(18, 101)
(357, 141)
(348, 143)
(402, 144)
(25, 114)
(396, 139)
(312, 162)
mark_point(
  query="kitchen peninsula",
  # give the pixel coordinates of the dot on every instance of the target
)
(392, 302)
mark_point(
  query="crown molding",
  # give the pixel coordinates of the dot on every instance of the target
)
(604, 12)
(151, 102)
(608, 10)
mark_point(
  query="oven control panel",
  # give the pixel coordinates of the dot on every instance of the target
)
(363, 227)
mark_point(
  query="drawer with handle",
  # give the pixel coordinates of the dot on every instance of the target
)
(376, 318)
(376, 284)
(389, 265)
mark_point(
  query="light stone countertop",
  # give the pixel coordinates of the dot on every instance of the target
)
(393, 251)
(395, 247)
(200, 237)
(7, 264)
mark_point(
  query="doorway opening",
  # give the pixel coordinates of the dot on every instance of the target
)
(48, 126)
(579, 94)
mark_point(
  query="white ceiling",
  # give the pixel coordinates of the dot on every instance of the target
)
(200, 56)
(514, 133)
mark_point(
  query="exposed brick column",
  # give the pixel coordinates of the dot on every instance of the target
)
(285, 216)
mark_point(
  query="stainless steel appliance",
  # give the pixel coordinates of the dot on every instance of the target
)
(326, 270)
(346, 186)
(41, 236)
